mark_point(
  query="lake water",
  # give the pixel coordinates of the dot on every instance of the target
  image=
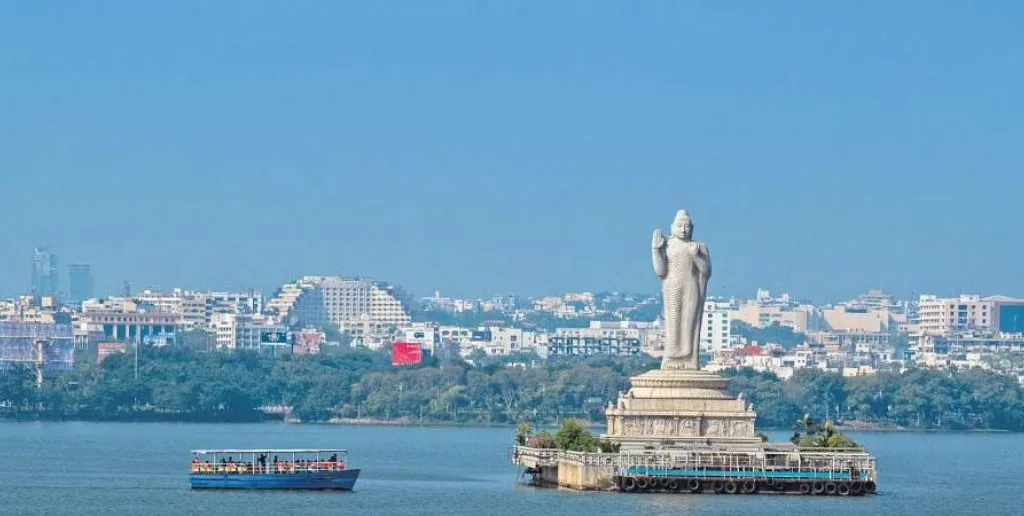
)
(142, 468)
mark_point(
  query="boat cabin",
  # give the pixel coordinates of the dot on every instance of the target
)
(268, 461)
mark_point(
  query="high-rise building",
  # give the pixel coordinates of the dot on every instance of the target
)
(45, 282)
(80, 283)
(620, 342)
(940, 316)
(356, 305)
(198, 308)
(716, 329)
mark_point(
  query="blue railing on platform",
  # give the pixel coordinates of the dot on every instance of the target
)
(712, 473)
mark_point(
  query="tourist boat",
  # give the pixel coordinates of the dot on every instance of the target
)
(322, 469)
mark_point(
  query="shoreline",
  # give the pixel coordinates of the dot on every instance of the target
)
(860, 427)
(599, 425)
(398, 422)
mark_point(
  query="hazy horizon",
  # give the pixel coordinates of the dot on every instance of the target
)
(479, 149)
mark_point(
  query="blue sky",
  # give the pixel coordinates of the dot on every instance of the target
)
(484, 147)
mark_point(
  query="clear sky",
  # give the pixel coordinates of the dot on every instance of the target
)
(481, 147)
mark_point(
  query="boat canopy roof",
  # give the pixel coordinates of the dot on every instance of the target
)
(275, 450)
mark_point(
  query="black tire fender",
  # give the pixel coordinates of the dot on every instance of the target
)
(628, 484)
(693, 485)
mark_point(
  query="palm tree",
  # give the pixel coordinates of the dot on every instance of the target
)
(825, 435)
(523, 433)
(807, 424)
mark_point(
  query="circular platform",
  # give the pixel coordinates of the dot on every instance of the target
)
(679, 383)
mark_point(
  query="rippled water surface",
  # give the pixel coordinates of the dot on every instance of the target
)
(142, 468)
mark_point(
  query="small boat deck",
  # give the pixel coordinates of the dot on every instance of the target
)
(321, 469)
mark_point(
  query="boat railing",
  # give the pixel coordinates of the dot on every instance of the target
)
(279, 468)
(835, 463)
(830, 464)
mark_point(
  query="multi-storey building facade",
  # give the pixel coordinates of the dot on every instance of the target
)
(136, 326)
(856, 318)
(595, 341)
(242, 330)
(45, 279)
(18, 345)
(716, 329)
(965, 351)
(940, 316)
(758, 315)
(360, 306)
(198, 308)
(426, 335)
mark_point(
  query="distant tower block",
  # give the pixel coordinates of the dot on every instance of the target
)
(126, 288)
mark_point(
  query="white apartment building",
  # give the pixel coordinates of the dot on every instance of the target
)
(362, 306)
(757, 315)
(288, 295)
(109, 304)
(939, 316)
(241, 331)
(426, 334)
(508, 341)
(494, 340)
(716, 328)
(197, 308)
(223, 327)
(595, 341)
(455, 333)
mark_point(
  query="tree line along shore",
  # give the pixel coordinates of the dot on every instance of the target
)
(356, 385)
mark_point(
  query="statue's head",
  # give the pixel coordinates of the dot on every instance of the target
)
(682, 226)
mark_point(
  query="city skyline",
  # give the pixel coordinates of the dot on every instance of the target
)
(820, 149)
(84, 286)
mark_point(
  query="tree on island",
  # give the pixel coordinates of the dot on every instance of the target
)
(824, 435)
(523, 433)
(573, 436)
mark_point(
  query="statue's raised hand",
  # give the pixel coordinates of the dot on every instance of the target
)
(658, 240)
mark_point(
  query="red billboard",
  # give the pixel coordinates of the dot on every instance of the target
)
(406, 353)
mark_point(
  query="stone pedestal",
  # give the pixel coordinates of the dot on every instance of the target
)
(680, 408)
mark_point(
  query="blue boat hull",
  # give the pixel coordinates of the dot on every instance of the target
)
(321, 480)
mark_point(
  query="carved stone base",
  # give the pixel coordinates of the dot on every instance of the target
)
(680, 408)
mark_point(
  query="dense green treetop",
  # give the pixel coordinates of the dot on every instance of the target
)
(355, 383)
